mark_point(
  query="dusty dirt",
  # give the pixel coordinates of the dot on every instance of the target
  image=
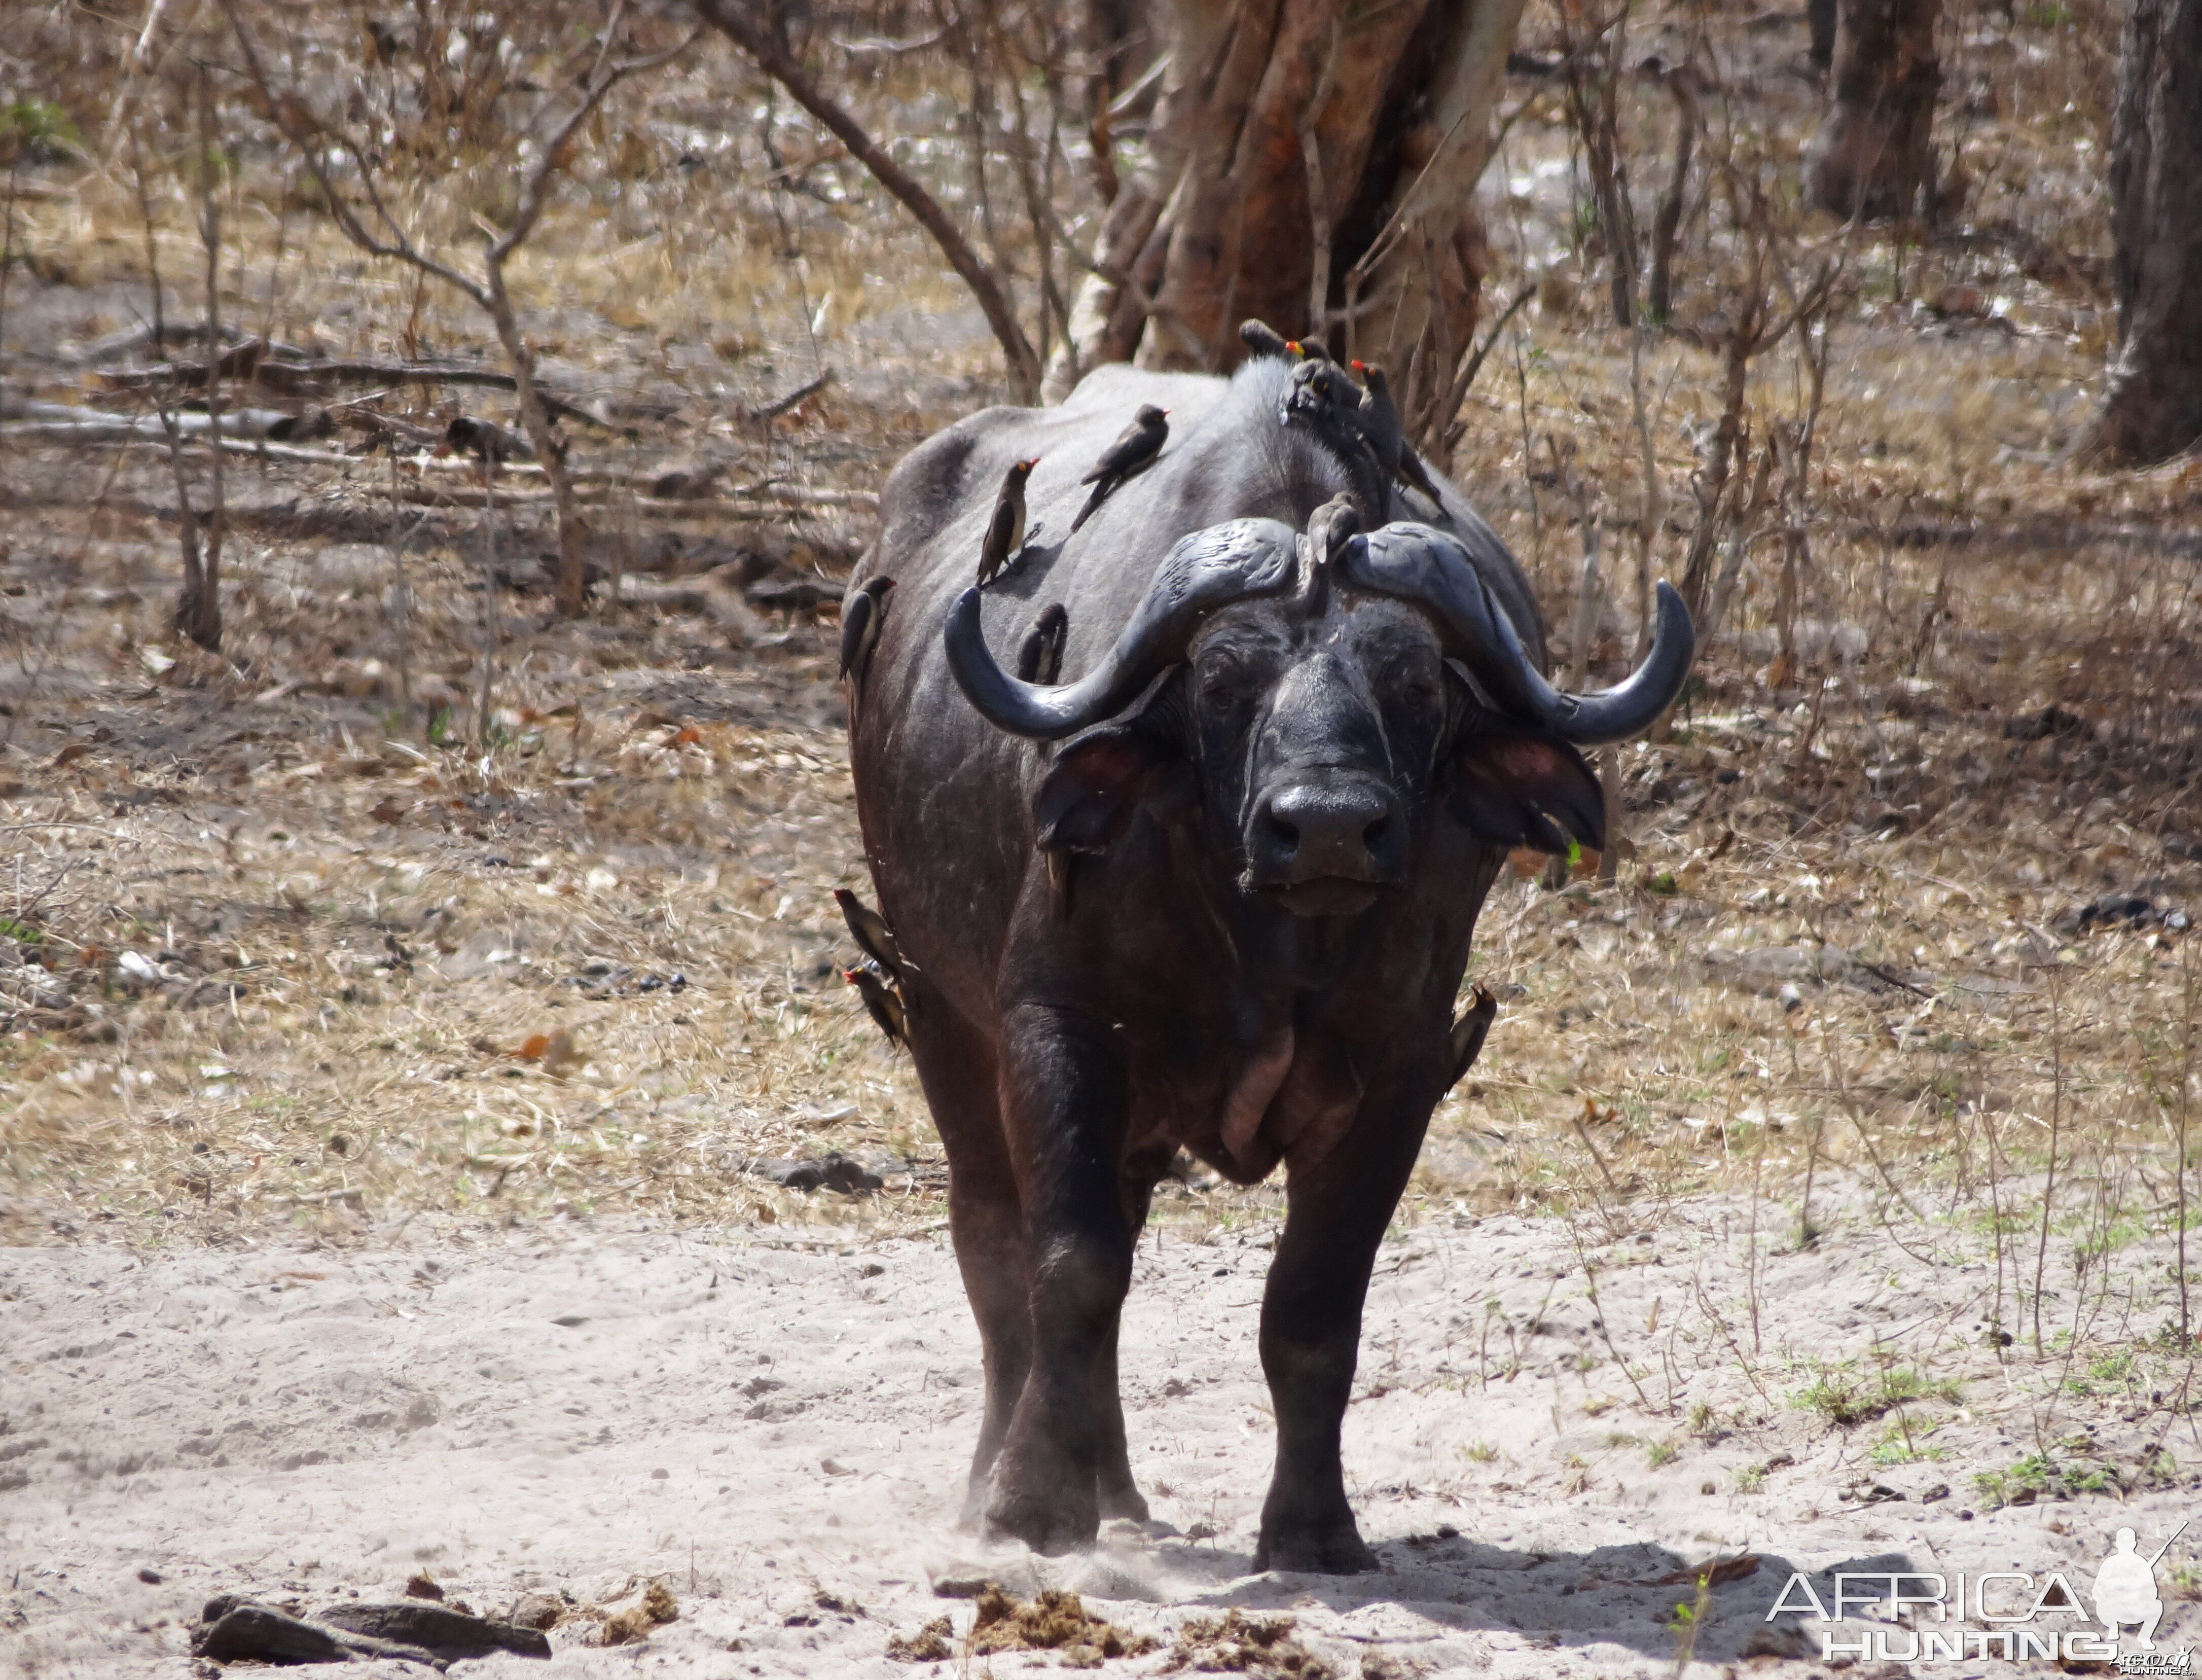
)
(778, 1434)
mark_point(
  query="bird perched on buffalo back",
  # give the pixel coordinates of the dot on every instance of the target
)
(1262, 339)
(1005, 535)
(860, 620)
(1040, 658)
(1138, 444)
(1380, 421)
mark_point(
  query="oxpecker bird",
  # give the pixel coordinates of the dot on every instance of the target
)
(1331, 526)
(870, 930)
(1138, 444)
(1465, 1040)
(1040, 658)
(880, 1000)
(1380, 420)
(1005, 536)
(1262, 339)
(859, 627)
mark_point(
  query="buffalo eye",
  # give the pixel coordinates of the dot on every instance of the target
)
(1221, 683)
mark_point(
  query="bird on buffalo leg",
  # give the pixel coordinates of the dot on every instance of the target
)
(1380, 420)
(1466, 1039)
(1005, 534)
(859, 627)
(1040, 658)
(881, 1000)
(1261, 340)
(1135, 446)
(870, 930)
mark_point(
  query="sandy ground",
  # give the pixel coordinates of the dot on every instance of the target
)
(776, 1431)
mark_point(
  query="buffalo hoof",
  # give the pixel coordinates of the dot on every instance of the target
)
(1337, 1550)
(1051, 1513)
(1124, 1501)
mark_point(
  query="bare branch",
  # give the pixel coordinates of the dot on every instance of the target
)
(733, 19)
(536, 188)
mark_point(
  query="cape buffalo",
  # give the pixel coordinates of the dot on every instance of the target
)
(1212, 893)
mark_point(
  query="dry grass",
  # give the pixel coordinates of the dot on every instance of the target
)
(1993, 721)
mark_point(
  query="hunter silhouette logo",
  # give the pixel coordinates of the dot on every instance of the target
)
(2125, 1587)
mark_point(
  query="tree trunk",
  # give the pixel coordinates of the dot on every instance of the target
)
(2152, 406)
(1278, 118)
(1871, 157)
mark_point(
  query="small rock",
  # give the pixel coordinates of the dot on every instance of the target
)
(151, 1578)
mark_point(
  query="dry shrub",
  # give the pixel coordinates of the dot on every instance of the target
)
(932, 1643)
(653, 1610)
(1237, 1643)
(1052, 1622)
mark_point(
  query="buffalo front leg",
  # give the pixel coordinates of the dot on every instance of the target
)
(956, 1067)
(987, 1227)
(1335, 1215)
(1063, 1099)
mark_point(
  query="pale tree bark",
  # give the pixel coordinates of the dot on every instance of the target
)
(2152, 408)
(1872, 157)
(1383, 111)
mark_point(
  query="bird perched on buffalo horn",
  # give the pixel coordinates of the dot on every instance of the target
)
(1040, 658)
(1380, 420)
(880, 999)
(1466, 1039)
(870, 930)
(861, 619)
(1135, 446)
(1331, 526)
(1005, 534)
(1262, 339)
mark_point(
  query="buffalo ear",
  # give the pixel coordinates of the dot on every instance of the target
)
(1100, 780)
(1512, 789)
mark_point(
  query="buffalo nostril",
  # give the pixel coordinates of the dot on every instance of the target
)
(1285, 835)
(1374, 834)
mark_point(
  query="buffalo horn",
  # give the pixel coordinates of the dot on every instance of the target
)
(1207, 569)
(1431, 569)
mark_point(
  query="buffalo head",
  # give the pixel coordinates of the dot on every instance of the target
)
(1318, 694)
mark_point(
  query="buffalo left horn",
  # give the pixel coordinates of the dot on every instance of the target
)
(1207, 569)
(1431, 569)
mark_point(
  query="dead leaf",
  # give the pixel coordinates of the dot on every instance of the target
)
(69, 754)
(559, 1054)
(534, 1049)
(1714, 1573)
(688, 736)
(391, 809)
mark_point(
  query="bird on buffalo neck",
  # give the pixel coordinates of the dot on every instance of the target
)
(1380, 420)
(1135, 447)
(860, 620)
(1005, 533)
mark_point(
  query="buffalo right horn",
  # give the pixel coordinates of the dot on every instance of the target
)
(1207, 569)
(1431, 569)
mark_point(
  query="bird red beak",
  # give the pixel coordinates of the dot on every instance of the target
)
(1359, 367)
